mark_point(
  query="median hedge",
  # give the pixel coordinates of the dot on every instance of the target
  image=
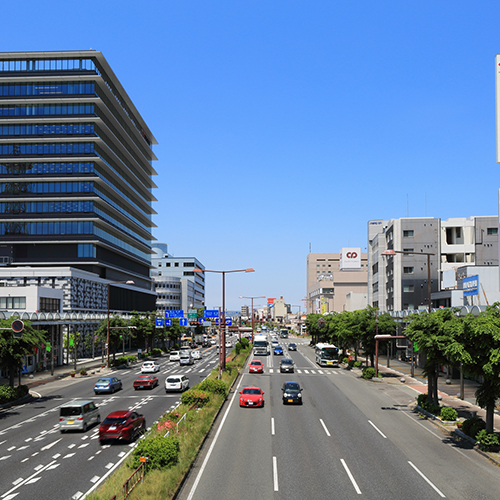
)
(8, 394)
(162, 452)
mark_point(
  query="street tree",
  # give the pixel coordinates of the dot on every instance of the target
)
(14, 350)
(479, 351)
(436, 335)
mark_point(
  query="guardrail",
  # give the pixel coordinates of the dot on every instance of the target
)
(136, 477)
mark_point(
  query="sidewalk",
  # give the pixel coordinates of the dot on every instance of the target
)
(39, 378)
(449, 392)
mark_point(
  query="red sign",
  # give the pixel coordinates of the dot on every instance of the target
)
(271, 301)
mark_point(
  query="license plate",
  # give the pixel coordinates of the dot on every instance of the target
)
(71, 421)
(112, 428)
(329, 362)
(290, 400)
(250, 403)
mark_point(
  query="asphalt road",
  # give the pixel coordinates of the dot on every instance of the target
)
(37, 461)
(351, 437)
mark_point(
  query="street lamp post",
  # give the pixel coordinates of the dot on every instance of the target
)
(391, 252)
(222, 321)
(129, 282)
(251, 312)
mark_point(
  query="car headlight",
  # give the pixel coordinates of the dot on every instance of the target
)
(299, 395)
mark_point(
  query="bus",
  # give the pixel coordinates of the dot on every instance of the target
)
(261, 346)
(327, 355)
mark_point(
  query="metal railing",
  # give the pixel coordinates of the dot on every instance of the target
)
(136, 477)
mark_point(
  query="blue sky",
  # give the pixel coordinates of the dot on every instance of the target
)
(287, 123)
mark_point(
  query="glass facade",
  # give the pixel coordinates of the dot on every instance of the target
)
(40, 127)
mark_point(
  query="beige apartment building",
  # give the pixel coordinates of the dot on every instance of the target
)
(335, 281)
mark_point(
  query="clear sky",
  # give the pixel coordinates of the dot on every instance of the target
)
(288, 123)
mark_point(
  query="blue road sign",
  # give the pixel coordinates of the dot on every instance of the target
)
(174, 314)
(168, 322)
(200, 320)
(211, 313)
(183, 321)
(229, 322)
(159, 322)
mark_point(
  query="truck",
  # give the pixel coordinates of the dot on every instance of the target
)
(261, 346)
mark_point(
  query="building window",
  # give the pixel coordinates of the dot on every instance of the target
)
(188, 264)
(408, 288)
(407, 233)
(408, 250)
(408, 270)
(49, 305)
(168, 264)
(492, 231)
(12, 302)
(159, 264)
(176, 264)
(408, 307)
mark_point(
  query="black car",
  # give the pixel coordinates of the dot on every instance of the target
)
(286, 365)
(292, 346)
(292, 393)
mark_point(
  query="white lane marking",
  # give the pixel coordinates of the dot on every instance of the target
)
(324, 427)
(5, 457)
(320, 372)
(10, 497)
(271, 370)
(50, 445)
(34, 480)
(110, 464)
(204, 464)
(306, 371)
(377, 429)
(55, 466)
(17, 481)
(69, 455)
(275, 474)
(299, 371)
(94, 479)
(428, 482)
(272, 426)
(11, 448)
(351, 477)
(25, 481)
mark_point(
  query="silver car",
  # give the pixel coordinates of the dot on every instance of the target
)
(78, 415)
(286, 365)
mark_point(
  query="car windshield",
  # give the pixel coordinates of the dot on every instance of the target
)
(144, 377)
(292, 345)
(286, 362)
(103, 381)
(172, 380)
(114, 421)
(251, 391)
(257, 363)
(292, 388)
(174, 353)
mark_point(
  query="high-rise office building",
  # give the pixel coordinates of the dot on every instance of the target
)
(76, 173)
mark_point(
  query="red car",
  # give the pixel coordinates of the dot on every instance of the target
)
(256, 367)
(252, 396)
(122, 425)
(145, 382)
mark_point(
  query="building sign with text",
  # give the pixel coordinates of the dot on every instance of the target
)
(470, 285)
(350, 259)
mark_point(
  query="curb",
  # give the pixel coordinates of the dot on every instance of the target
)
(25, 399)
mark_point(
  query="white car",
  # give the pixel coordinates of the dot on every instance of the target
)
(196, 354)
(212, 342)
(228, 344)
(150, 367)
(174, 356)
(176, 383)
(275, 343)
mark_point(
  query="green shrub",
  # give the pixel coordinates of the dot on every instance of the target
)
(244, 342)
(487, 441)
(345, 360)
(131, 359)
(237, 348)
(122, 360)
(351, 362)
(21, 391)
(214, 386)
(368, 372)
(155, 352)
(192, 396)
(162, 452)
(7, 394)
(358, 364)
(472, 426)
(423, 402)
(448, 413)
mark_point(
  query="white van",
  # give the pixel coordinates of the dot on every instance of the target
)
(78, 415)
(186, 358)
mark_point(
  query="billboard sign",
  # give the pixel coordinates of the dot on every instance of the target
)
(350, 259)
(470, 285)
